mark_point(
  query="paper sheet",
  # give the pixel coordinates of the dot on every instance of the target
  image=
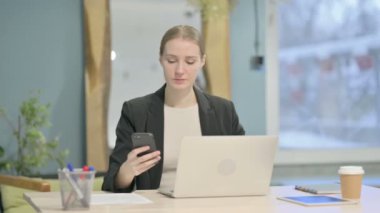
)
(118, 198)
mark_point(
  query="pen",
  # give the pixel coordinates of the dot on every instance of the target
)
(72, 183)
(70, 167)
(78, 180)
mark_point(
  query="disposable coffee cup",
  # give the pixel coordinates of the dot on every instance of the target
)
(351, 181)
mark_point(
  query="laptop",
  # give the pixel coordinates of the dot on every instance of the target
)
(214, 166)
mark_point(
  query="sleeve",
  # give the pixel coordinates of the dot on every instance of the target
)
(124, 130)
(237, 128)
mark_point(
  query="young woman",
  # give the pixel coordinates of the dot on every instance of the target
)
(176, 110)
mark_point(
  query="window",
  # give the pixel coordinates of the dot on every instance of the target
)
(328, 73)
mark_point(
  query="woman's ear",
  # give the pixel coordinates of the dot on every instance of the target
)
(203, 60)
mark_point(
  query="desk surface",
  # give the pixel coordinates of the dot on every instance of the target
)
(370, 202)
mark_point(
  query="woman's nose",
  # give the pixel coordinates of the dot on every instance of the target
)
(179, 68)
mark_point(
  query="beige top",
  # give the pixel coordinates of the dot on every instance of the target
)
(178, 122)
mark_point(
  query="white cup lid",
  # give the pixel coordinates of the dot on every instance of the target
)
(351, 170)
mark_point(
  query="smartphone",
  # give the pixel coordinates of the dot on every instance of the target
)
(140, 139)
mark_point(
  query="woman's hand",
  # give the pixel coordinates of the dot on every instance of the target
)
(135, 165)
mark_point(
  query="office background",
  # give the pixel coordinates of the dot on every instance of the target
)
(41, 48)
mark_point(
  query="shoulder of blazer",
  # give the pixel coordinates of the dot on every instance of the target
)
(217, 103)
(140, 106)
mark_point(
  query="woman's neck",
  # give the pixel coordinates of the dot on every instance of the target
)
(180, 98)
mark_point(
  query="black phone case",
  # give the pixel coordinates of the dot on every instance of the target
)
(144, 139)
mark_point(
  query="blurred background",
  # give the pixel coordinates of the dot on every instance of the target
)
(318, 59)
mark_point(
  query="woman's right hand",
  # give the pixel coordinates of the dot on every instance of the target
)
(135, 165)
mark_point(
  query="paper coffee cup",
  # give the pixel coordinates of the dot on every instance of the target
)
(351, 181)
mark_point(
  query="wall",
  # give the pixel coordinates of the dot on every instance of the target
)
(41, 48)
(248, 85)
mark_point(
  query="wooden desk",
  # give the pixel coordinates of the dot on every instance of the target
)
(370, 202)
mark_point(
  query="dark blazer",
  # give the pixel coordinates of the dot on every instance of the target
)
(146, 114)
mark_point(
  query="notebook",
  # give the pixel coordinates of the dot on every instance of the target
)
(212, 166)
(320, 188)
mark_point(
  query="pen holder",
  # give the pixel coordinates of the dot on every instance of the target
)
(76, 188)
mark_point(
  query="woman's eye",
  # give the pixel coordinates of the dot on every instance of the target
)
(190, 62)
(171, 61)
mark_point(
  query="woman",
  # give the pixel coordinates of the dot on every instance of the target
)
(187, 112)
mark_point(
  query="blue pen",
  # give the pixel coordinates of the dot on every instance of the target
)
(70, 167)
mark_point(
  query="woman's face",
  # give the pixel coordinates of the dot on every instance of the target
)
(181, 61)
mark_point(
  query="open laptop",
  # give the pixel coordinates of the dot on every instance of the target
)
(211, 166)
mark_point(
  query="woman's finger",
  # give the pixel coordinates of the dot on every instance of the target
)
(148, 156)
(133, 155)
(139, 150)
(142, 167)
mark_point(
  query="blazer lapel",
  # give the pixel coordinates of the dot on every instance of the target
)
(155, 120)
(207, 117)
(155, 125)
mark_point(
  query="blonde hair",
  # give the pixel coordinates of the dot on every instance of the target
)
(185, 32)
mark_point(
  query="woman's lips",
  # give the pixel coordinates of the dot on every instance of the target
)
(179, 80)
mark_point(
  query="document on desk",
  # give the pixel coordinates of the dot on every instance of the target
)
(118, 198)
